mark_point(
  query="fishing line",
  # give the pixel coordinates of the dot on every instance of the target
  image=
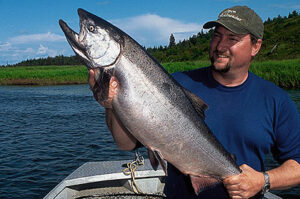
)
(130, 170)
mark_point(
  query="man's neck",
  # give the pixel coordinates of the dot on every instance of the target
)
(230, 79)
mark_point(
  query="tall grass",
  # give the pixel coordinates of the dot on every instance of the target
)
(172, 67)
(43, 75)
(284, 73)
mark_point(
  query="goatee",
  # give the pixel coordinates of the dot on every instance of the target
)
(221, 70)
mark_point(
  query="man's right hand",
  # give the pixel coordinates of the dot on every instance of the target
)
(113, 89)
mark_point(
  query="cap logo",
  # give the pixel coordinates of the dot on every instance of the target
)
(231, 14)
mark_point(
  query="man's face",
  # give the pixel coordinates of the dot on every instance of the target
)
(230, 51)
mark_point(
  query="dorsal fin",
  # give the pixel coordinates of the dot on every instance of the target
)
(199, 105)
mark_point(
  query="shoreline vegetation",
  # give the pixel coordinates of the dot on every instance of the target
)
(283, 73)
(278, 60)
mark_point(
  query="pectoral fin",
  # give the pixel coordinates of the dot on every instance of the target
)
(101, 87)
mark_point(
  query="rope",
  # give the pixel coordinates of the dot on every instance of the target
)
(130, 170)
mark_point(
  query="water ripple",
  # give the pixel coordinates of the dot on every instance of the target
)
(47, 132)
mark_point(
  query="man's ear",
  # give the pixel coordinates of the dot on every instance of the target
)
(256, 47)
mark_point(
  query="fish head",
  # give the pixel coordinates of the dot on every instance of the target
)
(99, 43)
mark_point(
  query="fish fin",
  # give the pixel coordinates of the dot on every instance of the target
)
(161, 161)
(101, 87)
(155, 158)
(199, 105)
(154, 162)
(233, 157)
(201, 183)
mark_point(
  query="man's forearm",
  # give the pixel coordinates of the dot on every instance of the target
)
(124, 140)
(250, 182)
(285, 176)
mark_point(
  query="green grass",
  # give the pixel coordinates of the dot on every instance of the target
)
(172, 67)
(43, 75)
(285, 74)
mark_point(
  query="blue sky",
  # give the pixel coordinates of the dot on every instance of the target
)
(29, 28)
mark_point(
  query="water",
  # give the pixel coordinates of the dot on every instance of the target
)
(47, 132)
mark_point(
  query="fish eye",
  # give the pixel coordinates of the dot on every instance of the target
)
(91, 28)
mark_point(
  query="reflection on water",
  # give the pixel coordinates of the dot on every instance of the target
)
(47, 132)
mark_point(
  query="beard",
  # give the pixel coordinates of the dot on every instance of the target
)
(219, 70)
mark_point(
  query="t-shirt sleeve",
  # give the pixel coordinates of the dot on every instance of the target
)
(287, 131)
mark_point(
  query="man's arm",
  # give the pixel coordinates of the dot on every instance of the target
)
(123, 139)
(285, 176)
(250, 182)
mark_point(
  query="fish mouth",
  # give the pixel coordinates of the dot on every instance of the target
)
(73, 39)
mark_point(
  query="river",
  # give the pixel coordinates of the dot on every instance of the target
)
(47, 132)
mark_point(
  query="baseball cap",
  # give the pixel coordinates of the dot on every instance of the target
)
(239, 20)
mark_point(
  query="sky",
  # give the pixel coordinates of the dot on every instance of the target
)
(29, 29)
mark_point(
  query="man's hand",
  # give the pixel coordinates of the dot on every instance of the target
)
(246, 184)
(113, 89)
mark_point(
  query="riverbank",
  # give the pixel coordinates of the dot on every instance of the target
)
(284, 73)
(43, 75)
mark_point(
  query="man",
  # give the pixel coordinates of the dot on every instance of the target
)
(249, 116)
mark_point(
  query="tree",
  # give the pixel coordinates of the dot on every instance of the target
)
(172, 41)
(293, 14)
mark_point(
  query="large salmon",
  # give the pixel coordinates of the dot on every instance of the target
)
(155, 109)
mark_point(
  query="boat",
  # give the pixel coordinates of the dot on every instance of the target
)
(108, 179)
(115, 179)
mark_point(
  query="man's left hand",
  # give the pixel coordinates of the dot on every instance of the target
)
(246, 184)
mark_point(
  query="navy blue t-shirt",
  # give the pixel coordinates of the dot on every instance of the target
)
(250, 120)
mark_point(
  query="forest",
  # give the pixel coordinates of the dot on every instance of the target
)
(281, 41)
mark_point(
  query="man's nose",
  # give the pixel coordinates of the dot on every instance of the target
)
(222, 45)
